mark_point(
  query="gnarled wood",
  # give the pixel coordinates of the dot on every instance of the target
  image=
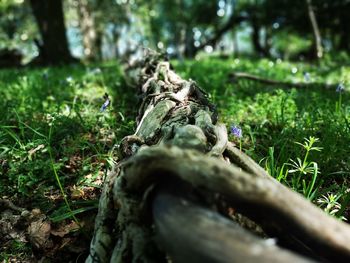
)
(178, 137)
(199, 235)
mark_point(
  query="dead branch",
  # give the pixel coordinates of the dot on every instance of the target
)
(243, 75)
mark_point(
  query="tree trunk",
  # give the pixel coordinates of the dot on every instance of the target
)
(258, 48)
(115, 41)
(54, 47)
(189, 43)
(88, 30)
(344, 43)
(235, 45)
(183, 192)
(317, 43)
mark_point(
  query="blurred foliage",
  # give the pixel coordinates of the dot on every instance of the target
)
(290, 45)
(17, 26)
(179, 27)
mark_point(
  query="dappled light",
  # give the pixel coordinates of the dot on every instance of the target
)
(174, 131)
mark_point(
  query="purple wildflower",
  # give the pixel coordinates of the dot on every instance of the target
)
(340, 88)
(236, 131)
(106, 103)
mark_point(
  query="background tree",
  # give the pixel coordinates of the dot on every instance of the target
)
(100, 23)
(317, 45)
(53, 48)
(90, 36)
(189, 31)
(16, 32)
(105, 29)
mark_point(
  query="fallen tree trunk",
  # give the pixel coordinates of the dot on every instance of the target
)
(201, 235)
(180, 182)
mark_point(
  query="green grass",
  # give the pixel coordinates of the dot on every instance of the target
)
(55, 144)
(274, 119)
(51, 124)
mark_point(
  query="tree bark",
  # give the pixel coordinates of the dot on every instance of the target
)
(178, 178)
(49, 17)
(258, 48)
(88, 29)
(317, 42)
(211, 235)
(189, 43)
(344, 43)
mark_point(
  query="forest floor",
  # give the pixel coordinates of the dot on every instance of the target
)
(56, 144)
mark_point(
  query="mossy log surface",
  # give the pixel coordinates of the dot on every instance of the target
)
(183, 192)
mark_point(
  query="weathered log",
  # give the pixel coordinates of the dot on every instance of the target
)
(177, 140)
(200, 235)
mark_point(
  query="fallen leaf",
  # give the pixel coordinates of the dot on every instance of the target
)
(39, 233)
(65, 229)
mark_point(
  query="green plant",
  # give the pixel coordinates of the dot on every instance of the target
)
(329, 203)
(80, 140)
(301, 168)
(272, 167)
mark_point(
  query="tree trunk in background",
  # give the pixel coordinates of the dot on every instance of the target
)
(115, 41)
(99, 44)
(317, 48)
(54, 47)
(258, 48)
(344, 43)
(88, 30)
(267, 39)
(189, 44)
(235, 44)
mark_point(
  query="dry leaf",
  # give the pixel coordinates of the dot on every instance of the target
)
(39, 233)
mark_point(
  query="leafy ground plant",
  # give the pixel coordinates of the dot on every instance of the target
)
(302, 168)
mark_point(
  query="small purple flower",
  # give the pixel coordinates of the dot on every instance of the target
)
(236, 131)
(106, 103)
(340, 88)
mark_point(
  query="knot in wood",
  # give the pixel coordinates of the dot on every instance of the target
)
(129, 145)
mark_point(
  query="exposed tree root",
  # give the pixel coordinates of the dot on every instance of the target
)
(5, 203)
(179, 147)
